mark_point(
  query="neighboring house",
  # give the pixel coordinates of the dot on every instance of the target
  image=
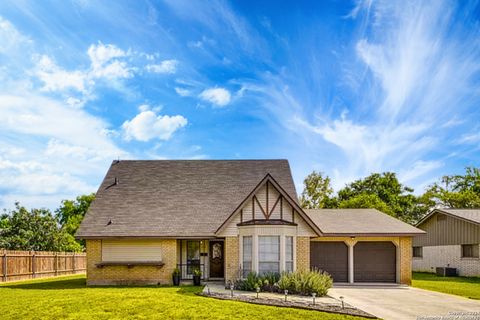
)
(227, 218)
(452, 240)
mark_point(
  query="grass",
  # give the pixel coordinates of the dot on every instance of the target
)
(468, 287)
(69, 298)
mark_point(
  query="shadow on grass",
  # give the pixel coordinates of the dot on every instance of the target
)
(80, 283)
(425, 276)
(56, 284)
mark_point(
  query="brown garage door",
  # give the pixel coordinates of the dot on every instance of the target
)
(374, 262)
(331, 257)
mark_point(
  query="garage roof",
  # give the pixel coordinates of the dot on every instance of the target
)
(359, 222)
(470, 215)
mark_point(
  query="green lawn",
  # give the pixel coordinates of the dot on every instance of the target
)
(67, 297)
(460, 286)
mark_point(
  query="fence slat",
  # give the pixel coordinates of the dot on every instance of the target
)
(22, 265)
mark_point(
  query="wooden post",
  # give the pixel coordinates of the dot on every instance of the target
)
(33, 264)
(73, 263)
(55, 266)
(4, 266)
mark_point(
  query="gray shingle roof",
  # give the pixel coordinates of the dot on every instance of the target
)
(175, 198)
(357, 222)
(472, 215)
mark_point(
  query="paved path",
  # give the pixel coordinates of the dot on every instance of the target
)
(402, 302)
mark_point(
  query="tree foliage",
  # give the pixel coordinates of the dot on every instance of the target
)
(40, 230)
(35, 229)
(317, 191)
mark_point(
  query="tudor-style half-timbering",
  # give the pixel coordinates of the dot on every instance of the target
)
(267, 205)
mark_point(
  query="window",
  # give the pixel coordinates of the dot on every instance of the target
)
(268, 254)
(288, 254)
(247, 255)
(193, 256)
(470, 250)
(417, 252)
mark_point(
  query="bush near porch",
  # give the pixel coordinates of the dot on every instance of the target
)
(468, 287)
(69, 298)
(297, 282)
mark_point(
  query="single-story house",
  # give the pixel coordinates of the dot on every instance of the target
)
(452, 239)
(227, 218)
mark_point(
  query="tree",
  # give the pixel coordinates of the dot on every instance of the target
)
(365, 200)
(317, 191)
(399, 199)
(456, 191)
(37, 229)
(71, 213)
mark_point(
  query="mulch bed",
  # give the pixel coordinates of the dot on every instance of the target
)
(348, 310)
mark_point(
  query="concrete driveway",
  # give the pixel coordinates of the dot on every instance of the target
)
(402, 302)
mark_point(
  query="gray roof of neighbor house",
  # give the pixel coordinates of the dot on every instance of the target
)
(175, 198)
(359, 222)
(470, 215)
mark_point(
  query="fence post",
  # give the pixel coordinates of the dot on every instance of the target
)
(55, 266)
(73, 263)
(4, 265)
(33, 264)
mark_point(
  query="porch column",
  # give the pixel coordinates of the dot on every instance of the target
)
(350, 262)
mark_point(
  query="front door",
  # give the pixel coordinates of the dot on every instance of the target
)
(216, 259)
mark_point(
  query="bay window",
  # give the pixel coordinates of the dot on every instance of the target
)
(288, 254)
(247, 255)
(268, 254)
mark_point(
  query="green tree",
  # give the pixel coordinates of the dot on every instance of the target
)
(35, 229)
(399, 199)
(456, 191)
(317, 191)
(71, 213)
(365, 200)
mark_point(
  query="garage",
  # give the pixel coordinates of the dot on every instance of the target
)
(331, 257)
(374, 262)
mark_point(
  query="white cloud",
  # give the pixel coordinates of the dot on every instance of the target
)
(217, 96)
(105, 63)
(55, 78)
(147, 125)
(166, 66)
(182, 92)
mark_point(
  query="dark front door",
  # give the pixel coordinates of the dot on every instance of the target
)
(331, 257)
(374, 262)
(216, 259)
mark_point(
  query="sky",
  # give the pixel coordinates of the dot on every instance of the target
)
(347, 88)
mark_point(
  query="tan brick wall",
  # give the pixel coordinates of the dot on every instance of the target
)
(406, 260)
(232, 265)
(404, 252)
(303, 253)
(136, 275)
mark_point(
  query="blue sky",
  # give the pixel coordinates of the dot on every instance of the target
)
(347, 88)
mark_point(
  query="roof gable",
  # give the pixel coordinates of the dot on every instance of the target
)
(468, 215)
(266, 214)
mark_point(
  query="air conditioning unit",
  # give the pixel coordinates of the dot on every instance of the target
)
(446, 272)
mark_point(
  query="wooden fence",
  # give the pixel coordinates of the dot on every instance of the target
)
(22, 265)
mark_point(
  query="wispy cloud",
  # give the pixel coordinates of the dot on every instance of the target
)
(166, 66)
(217, 96)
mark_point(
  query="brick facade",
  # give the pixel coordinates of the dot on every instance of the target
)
(443, 256)
(122, 275)
(232, 264)
(303, 253)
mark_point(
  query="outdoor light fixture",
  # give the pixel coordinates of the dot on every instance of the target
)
(258, 290)
(343, 305)
(231, 290)
(313, 296)
(286, 294)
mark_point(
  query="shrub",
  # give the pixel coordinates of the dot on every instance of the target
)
(266, 282)
(306, 282)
